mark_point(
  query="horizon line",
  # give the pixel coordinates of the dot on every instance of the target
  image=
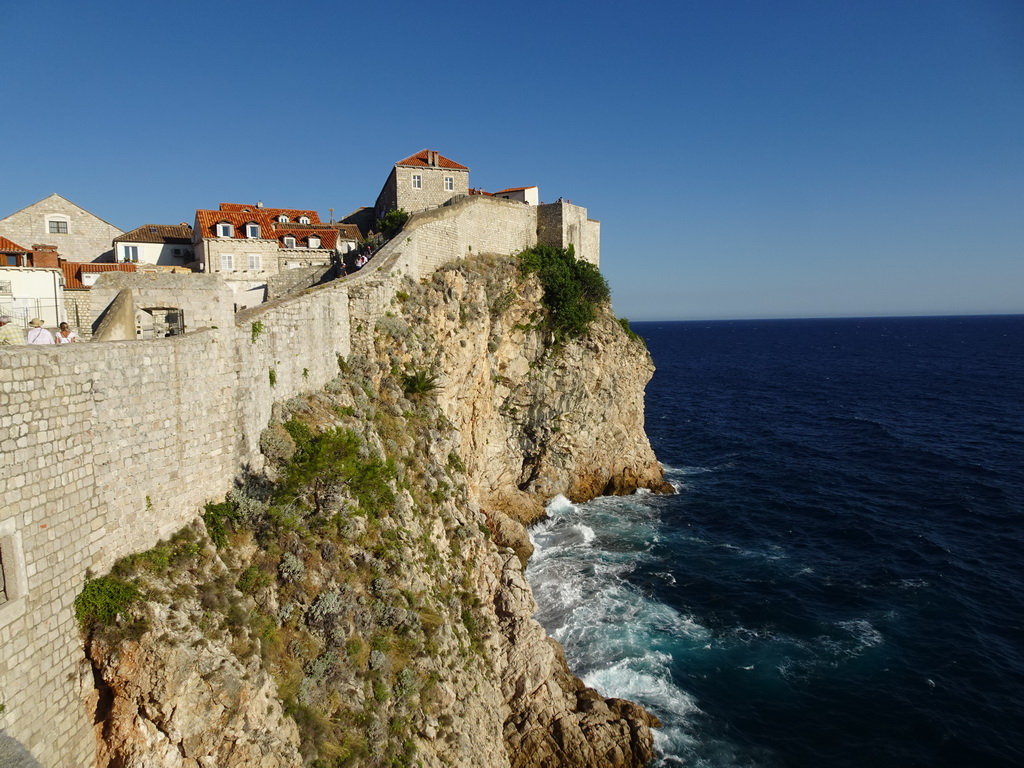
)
(825, 317)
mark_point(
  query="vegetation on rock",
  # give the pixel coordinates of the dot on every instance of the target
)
(573, 288)
(392, 223)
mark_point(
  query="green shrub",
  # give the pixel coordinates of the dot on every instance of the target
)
(392, 222)
(573, 288)
(217, 518)
(252, 580)
(419, 382)
(325, 464)
(102, 599)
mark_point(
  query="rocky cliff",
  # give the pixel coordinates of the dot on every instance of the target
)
(362, 600)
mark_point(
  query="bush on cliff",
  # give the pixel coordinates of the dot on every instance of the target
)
(325, 464)
(102, 599)
(573, 289)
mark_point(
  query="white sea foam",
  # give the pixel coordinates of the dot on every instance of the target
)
(862, 630)
(614, 635)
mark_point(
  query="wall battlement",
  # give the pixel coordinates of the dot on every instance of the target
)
(107, 447)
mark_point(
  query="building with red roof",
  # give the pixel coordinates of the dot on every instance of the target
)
(248, 244)
(424, 180)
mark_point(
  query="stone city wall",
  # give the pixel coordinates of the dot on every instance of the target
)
(107, 447)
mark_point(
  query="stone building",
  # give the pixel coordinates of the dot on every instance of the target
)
(78, 234)
(160, 244)
(424, 180)
(249, 244)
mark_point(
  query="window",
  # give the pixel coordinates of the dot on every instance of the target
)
(58, 227)
(11, 260)
(227, 262)
(314, 242)
(303, 219)
(289, 241)
(283, 219)
(177, 251)
(131, 254)
(449, 183)
(225, 230)
(5, 288)
(254, 262)
(417, 181)
(252, 230)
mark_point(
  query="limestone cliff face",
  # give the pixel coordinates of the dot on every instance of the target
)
(375, 612)
(535, 421)
(175, 698)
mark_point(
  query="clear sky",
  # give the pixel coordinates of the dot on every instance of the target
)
(746, 158)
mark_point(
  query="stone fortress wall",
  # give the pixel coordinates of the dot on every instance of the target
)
(107, 447)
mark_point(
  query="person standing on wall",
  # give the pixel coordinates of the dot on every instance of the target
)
(65, 335)
(37, 334)
(10, 334)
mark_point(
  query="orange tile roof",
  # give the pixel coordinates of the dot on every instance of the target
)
(6, 246)
(420, 160)
(207, 221)
(513, 189)
(73, 271)
(291, 213)
(328, 237)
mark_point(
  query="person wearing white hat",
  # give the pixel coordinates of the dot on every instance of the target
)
(37, 334)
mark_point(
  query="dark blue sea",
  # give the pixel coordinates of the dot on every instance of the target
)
(840, 579)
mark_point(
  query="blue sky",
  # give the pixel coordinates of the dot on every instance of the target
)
(746, 158)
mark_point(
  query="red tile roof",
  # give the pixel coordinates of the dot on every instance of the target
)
(6, 246)
(421, 160)
(270, 229)
(291, 213)
(328, 236)
(513, 189)
(73, 271)
(207, 221)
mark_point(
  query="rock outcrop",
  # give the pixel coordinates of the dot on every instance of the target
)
(366, 601)
(535, 420)
(175, 698)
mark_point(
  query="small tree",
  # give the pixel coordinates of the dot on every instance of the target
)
(392, 222)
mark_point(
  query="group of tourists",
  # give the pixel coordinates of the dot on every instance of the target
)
(10, 334)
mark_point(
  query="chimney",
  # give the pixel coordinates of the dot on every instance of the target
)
(433, 158)
(45, 256)
(259, 203)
